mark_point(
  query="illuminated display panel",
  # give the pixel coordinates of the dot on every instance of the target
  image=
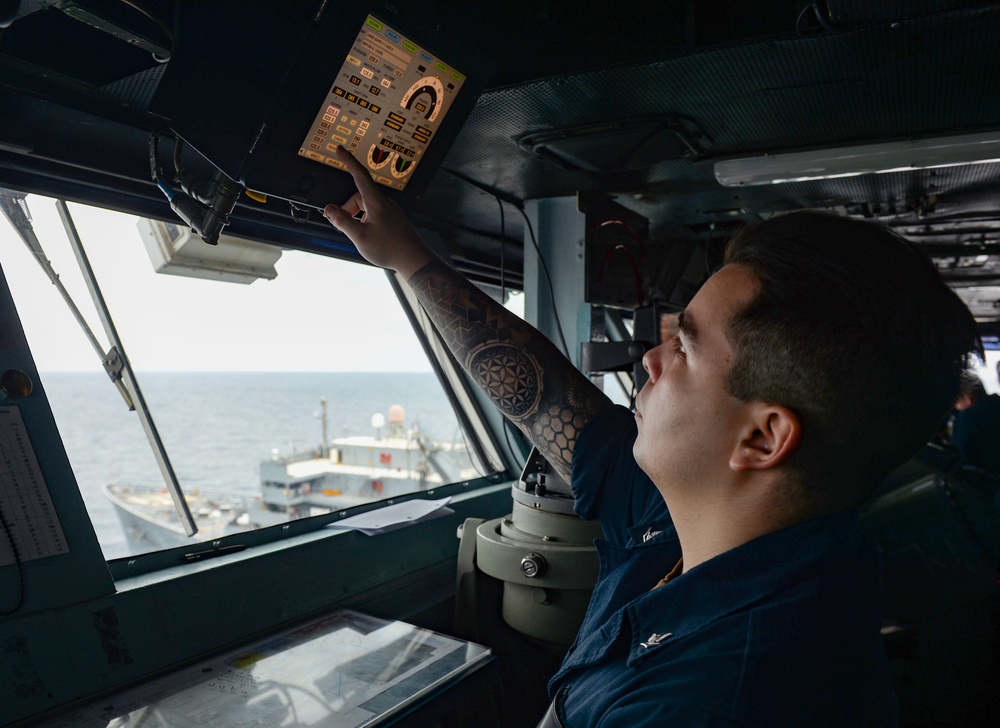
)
(386, 104)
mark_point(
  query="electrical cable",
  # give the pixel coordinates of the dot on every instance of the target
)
(798, 20)
(155, 170)
(827, 25)
(628, 228)
(503, 296)
(298, 213)
(503, 254)
(517, 204)
(635, 269)
(824, 23)
(178, 150)
(156, 21)
(548, 279)
(640, 246)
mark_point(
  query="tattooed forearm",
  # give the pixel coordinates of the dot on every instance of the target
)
(513, 363)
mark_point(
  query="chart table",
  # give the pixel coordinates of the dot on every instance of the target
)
(345, 670)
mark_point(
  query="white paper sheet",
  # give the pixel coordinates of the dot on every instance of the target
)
(25, 502)
(399, 515)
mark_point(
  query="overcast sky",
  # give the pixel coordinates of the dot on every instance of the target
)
(319, 314)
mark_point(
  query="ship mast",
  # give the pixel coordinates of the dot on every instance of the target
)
(325, 442)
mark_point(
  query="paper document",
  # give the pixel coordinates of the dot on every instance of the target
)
(382, 520)
(29, 517)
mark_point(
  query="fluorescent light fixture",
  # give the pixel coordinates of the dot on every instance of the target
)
(951, 151)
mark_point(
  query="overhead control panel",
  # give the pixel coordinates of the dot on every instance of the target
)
(268, 107)
(385, 106)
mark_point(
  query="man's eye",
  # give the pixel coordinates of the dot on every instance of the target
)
(678, 346)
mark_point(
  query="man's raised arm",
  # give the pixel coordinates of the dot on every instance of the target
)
(524, 374)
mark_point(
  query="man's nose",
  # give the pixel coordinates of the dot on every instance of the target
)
(651, 362)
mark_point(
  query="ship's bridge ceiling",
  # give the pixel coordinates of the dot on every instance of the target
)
(635, 102)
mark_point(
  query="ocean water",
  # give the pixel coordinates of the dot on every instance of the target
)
(217, 427)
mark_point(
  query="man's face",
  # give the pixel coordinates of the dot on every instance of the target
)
(688, 423)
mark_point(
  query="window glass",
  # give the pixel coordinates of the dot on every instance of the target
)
(279, 399)
(988, 371)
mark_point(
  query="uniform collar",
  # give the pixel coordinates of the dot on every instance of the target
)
(742, 577)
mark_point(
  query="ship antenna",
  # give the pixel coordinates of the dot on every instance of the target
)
(325, 446)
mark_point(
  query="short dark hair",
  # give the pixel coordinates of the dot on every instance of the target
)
(854, 330)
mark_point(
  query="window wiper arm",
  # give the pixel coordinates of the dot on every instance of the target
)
(126, 375)
(115, 361)
(15, 209)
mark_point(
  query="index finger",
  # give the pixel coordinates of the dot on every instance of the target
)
(362, 177)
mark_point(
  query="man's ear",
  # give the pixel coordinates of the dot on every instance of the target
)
(771, 435)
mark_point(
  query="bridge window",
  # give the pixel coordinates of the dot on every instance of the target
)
(279, 399)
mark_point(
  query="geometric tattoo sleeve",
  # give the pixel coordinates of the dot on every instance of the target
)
(520, 370)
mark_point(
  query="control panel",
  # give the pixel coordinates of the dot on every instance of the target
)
(388, 100)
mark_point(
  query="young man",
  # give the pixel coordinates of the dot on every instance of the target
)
(736, 587)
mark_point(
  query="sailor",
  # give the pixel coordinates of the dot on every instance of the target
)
(736, 586)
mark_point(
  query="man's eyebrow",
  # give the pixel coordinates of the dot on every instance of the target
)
(688, 327)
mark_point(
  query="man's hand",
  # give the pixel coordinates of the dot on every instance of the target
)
(383, 235)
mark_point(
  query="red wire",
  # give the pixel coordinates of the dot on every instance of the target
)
(628, 229)
(635, 269)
